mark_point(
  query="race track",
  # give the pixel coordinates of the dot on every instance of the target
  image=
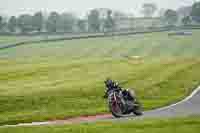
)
(186, 107)
(189, 106)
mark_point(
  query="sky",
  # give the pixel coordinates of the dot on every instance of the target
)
(16, 7)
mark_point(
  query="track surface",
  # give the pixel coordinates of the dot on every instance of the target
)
(189, 106)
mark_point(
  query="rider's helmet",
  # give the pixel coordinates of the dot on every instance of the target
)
(109, 83)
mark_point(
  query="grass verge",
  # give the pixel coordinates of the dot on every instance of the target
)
(176, 125)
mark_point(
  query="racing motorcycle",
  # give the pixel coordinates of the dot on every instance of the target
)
(121, 102)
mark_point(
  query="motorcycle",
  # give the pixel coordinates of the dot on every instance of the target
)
(121, 102)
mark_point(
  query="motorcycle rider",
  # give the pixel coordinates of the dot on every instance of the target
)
(127, 93)
(130, 103)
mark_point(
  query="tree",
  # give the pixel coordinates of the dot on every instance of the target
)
(117, 15)
(1, 22)
(24, 22)
(12, 24)
(161, 14)
(81, 24)
(37, 21)
(195, 13)
(94, 21)
(52, 23)
(149, 9)
(186, 20)
(171, 17)
(67, 22)
(109, 21)
(184, 11)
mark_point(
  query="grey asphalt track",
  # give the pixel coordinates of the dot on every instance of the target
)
(191, 106)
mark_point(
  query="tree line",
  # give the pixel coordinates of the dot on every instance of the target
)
(95, 21)
(55, 22)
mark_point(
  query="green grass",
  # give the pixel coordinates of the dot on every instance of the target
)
(145, 46)
(63, 79)
(176, 125)
(13, 39)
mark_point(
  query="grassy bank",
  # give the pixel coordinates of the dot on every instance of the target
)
(13, 39)
(64, 79)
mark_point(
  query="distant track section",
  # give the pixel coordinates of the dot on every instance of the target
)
(94, 35)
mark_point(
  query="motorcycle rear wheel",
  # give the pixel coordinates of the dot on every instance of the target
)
(138, 109)
(138, 112)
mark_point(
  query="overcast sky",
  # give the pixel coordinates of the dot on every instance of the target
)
(15, 7)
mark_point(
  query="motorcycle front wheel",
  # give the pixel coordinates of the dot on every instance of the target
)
(115, 105)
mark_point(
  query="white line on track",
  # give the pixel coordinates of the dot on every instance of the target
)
(184, 100)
